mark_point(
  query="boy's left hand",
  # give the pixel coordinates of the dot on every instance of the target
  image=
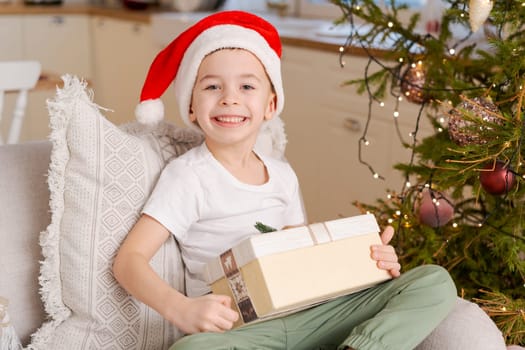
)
(385, 255)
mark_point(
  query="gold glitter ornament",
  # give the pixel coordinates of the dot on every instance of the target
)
(464, 132)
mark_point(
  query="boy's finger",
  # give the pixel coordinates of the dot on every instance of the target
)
(230, 315)
(387, 235)
(223, 299)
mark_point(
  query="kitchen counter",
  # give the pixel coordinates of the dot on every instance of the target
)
(310, 33)
(142, 16)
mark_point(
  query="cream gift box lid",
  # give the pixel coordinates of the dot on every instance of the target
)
(264, 244)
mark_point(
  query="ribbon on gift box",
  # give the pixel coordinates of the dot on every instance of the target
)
(238, 286)
(319, 233)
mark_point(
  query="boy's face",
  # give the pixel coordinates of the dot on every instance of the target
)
(232, 97)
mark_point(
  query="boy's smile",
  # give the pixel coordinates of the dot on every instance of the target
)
(230, 121)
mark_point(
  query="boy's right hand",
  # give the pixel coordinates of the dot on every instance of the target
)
(208, 313)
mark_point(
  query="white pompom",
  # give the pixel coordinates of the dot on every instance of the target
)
(150, 111)
(479, 11)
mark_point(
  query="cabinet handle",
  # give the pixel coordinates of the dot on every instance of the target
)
(352, 124)
(57, 20)
(136, 28)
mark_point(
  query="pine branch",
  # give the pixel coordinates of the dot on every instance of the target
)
(262, 228)
(508, 314)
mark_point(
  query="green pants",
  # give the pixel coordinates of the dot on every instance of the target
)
(395, 315)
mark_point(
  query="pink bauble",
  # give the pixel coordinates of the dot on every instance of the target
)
(498, 179)
(435, 214)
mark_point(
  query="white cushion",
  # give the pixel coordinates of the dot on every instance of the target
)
(99, 178)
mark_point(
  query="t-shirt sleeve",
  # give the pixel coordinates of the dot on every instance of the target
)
(174, 202)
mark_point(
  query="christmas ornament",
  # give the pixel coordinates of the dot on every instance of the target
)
(431, 16)
(435, 209)
(412, 83)
(497, 179)
(479, 11)
(461, 131)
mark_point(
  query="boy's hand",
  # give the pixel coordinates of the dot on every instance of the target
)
(208, 313)
(385, 255)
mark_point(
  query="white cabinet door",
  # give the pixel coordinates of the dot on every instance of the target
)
(325, 121)
(123, 52)
(61, 43)
(11, 38)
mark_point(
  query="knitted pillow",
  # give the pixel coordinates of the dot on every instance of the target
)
(99, 178)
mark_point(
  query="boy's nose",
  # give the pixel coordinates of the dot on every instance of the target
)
(229, 96)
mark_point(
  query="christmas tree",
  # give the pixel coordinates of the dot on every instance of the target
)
(462, 204)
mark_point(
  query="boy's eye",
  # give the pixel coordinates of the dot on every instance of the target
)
(247, 87)
(211, 87)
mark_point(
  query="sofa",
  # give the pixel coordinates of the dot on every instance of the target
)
(39, 270)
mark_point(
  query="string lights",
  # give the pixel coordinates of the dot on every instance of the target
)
(443, 213)
(411, 84)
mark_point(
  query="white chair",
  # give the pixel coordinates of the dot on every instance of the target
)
(18, 77)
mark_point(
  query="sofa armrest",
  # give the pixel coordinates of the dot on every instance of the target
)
(25, 213)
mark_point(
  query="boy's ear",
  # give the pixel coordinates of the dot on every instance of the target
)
(192, 116)
(270, 110)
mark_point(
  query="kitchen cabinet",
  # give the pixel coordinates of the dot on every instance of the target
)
(11, 37)
(61, 43)
(123, 52)
(325, 121)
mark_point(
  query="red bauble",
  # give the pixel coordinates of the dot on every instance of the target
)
(435, 210)
(497, 179)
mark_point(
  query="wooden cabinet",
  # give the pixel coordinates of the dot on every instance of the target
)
(325, 121)
(61, 43)
(11, 37)
(123, 52)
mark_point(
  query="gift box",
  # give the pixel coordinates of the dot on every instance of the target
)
(272, 274)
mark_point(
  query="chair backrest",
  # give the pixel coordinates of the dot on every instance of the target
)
(17, 77)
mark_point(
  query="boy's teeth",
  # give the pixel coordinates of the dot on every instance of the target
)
(230, 119)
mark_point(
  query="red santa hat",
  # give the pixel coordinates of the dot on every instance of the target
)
(180, 61)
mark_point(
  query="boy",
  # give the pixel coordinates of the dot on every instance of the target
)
(226, 73)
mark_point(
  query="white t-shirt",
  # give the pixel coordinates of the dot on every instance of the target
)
(209, 210)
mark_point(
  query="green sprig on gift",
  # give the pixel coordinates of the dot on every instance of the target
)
(262, 228)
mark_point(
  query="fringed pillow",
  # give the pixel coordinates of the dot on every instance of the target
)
(99, 178)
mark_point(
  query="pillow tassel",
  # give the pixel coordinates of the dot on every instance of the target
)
(8, 338)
